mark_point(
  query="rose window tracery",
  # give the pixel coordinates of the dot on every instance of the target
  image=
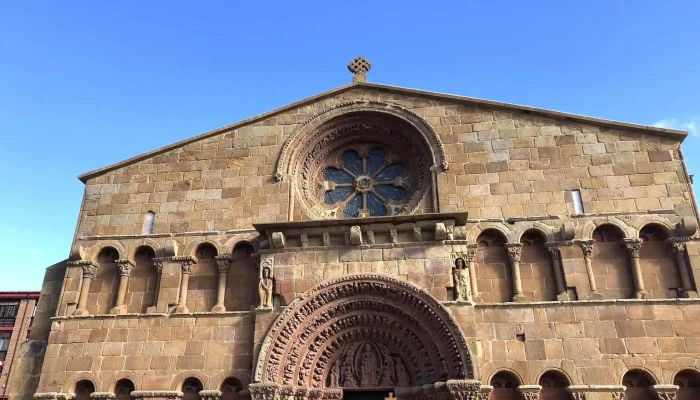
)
(362, 182)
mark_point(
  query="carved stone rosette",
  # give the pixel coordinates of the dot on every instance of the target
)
(363, 331)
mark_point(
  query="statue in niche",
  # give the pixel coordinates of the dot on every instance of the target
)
(368, 368)
(388, 365)
(265, 288)
(335, 375)
(460, 274)
(401, 375)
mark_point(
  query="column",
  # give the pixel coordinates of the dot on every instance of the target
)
(158, 265)
(471, 263)
(587, 247)
(125, 266)
(187, 266)
(633, 246)
(680, 252)
(555, 255)
(514, 252)
(89, 271)
(223, 262)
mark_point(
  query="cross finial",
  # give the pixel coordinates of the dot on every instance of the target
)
(391, 396)
(359, 67)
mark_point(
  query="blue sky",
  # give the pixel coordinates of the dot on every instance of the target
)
(84, 84)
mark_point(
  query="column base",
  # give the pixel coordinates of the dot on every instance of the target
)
(478, 298)
(563, 297)
(690, 294)
(597, 296)
(81, 311)
(641, 294)
(182, 309)
(218, 308)
(118, 309)
(519, 298)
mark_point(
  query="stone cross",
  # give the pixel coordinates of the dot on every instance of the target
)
(359, 67)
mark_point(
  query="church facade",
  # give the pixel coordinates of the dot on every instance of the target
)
(375, 242)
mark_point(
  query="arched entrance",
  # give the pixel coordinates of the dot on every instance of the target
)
(364, 333)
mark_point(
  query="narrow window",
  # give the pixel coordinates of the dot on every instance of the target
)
(148, 223)
(578, 204)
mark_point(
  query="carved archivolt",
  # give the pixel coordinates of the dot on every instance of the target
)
(363, 331)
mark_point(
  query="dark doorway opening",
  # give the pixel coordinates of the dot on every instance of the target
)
(367, 394)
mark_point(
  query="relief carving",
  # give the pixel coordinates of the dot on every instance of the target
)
(462, 285)
(265, 287)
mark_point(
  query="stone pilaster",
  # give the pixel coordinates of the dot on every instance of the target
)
(514, 253)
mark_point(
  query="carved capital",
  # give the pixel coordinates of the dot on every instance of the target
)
(530, 392)
(587, 247)
(632, 246)
(462, 389)
(223, 263)
(125, 266)
(617, 395)
(678, 248)
(514, 251)
(210, 394)
(471, 253)
(554, 250)
(158, 264)
(263, 391)
(89, 271)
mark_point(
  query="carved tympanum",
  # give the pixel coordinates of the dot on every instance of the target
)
(365, 331)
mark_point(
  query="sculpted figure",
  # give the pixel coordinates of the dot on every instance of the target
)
(335, 375)
(349, 377)
(401, 375)
(386, 378)
(460, 274)
(265, 288)
(368, 367)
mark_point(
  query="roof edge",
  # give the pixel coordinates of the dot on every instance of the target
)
(673, 133)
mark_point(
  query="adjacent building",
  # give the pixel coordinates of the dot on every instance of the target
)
(375, 242)
(16, 315)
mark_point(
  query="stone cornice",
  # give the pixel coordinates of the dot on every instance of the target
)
(82, 263)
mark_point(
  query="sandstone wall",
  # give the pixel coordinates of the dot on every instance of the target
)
(157, 352)
(502, 164)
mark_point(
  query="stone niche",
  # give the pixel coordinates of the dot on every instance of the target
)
(416, 248)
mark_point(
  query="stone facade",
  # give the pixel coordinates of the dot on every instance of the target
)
(553, 301)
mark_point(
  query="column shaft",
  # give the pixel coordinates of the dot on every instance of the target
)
(514, 252)
(555, 254)
(680, 251)
(471, 263)
(184, 283)
(633, 246)
(587, 248)
(89, 270)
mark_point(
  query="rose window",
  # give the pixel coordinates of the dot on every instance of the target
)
(361, 183)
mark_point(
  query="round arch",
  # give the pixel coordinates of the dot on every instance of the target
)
(297, 139)
(500, 227)
(351, 325)
(193, 245)
(545, 230)
(590, 226)
(97, 248)
(144, 243)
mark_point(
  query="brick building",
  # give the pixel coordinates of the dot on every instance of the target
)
(376, 241)
(16, 314)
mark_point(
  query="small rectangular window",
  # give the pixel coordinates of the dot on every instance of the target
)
(578, 203)
(148, 223)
